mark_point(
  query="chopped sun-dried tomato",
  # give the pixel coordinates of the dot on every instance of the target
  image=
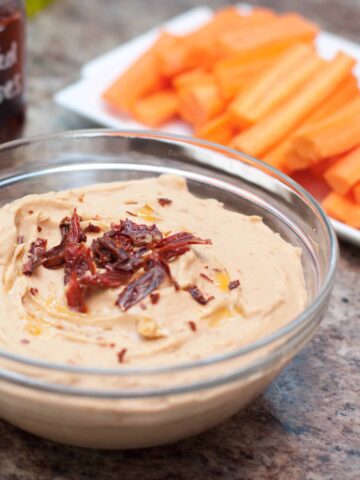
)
(36, 255)
(75, 294)
(141, 287)
(107, 250)
(77, 259)
(76, 233)
(107, 279)
(132, 255)
(177, 244)
(139, 234)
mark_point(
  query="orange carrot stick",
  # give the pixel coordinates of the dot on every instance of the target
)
(275, 85)
(345, 172)
(192, 77)
(347, 91)
(219, 130)
(356, 192)
(233, 76)
(157, 108)
(342, 208)
(199, 48)
(278, 34)
(261, 137)
(142, 78)
(200, 103)
(319, 169)
(332, 136)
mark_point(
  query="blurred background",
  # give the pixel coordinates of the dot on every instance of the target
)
(62, 35)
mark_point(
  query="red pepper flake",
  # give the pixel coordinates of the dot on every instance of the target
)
(131, 213)
(192, 326)
(234, 284)
(30, 212)
(112, 345)
(34, 291)
(203, 275)
(20, 239)
(91, 228)
(143, 306)
(206, 266)
(164, 201)
(154, 297)
(121, 355)
(25, 341)
(39, 229)
(198, 296)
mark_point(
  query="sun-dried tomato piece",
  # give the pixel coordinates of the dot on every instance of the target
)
(64, 226)
(36, 256)
(75, 233)
(54, 258)
(77, 259)
(140, 288)
(176, 245)
(108, 279)
(139, 234)
(180, 239)
(106, 251)
(71, 232)
(198, 296)
(75, 295)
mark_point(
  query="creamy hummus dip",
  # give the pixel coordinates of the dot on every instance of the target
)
(236, 283)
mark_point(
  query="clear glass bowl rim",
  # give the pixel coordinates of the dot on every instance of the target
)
(299, 321)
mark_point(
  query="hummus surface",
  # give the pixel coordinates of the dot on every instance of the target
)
(35, 320)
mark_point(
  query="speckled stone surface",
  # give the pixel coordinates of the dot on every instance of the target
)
(307, 424)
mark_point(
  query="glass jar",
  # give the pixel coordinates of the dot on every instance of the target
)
(12, 69)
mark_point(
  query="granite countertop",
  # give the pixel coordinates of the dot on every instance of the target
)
(307, 424)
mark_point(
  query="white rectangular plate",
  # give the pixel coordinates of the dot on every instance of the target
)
(84, 96)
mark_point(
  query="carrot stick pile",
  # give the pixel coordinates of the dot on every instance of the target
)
(255, 82)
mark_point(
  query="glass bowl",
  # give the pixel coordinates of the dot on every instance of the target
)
(131, 407)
